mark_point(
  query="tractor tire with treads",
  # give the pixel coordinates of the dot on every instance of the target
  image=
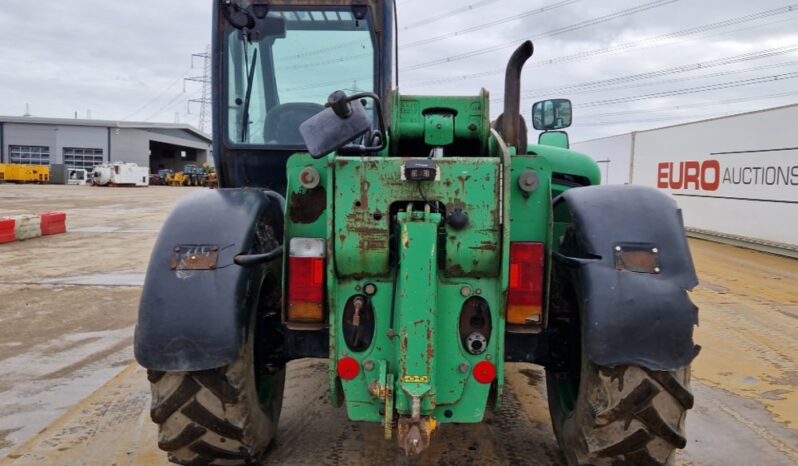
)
(215, 417)
(621, 416)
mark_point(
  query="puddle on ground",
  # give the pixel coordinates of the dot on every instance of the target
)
(713, 287)
(102, 279)
(116, 208)
(94, 230)
(109, 229)
(36, 399)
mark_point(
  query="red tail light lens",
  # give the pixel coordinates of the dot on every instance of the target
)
(485, 372)
(348, 368)
(306, 284)
(525, 298)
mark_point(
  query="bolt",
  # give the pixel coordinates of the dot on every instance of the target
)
(487, 356)
(618, 248)
(465, 291)
(472, 127)
(368, 365)
(357, 288)
(656, 269)
(479, 290)
(464, 368)
(193, 258)
(309, 178)
(370, 289)
(655, 250)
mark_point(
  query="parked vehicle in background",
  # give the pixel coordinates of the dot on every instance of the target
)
(192, 175)
(12, 173)
(78, 176)
(120, 174)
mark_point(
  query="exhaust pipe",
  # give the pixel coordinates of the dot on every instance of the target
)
(511, 120)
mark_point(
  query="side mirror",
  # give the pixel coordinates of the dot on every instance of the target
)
(344, 120)
(552, 114)
(554, 138)
(329, 130)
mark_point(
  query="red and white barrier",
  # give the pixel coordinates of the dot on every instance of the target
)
(7, 230)
(22, 227)
(53, 223)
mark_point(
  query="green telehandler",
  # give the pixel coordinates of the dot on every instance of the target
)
(415, 244)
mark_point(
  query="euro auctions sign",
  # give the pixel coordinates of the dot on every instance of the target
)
(735, 175)
(769, 175)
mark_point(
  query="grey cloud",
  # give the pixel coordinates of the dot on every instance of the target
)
(113, 57)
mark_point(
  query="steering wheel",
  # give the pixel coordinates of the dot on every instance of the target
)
(282, 122)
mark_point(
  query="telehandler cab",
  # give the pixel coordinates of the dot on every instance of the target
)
(416, 245)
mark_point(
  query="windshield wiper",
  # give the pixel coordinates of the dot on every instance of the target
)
(250, 78)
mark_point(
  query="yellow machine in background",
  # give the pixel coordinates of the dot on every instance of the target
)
(11, 173)
(193, 175)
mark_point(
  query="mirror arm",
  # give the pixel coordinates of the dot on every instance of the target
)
(380, 120)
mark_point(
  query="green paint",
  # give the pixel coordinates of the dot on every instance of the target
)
(379, 232)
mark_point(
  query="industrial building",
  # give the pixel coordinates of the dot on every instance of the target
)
(735, 177)
(86, 143)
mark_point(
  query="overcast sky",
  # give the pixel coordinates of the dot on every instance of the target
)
(626, 64)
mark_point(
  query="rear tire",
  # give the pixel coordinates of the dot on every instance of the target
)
(603, 416)
(217, 417)
(625, 415)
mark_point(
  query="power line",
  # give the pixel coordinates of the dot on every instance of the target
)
(449, 14)
(614, 83)
(693, 78)
(684, 33)
(654, 120)
(691, 90)
(489, 24)
(693, 105)
(551, 33)
(173, 102)
(157, 96)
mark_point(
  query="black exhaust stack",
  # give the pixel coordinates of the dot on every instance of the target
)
(511, 127)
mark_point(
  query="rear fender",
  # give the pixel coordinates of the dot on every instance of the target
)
(643, 317)
(193, 320)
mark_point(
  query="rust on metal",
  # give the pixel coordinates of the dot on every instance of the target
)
(637, 259)
(195, 257)
(364, 194)
(307, 206)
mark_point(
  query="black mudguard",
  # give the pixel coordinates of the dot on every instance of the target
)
(193, 320)
(642, 318)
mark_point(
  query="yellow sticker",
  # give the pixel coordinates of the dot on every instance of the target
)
(416, 379)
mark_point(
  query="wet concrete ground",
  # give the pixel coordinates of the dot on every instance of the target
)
(67, 306)
(68, 302)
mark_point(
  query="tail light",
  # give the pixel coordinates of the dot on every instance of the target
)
(348, 368)
(485, 372)
(525, 298)
(306, 284)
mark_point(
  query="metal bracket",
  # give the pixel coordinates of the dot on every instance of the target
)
(637, 258)
(195, 257)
